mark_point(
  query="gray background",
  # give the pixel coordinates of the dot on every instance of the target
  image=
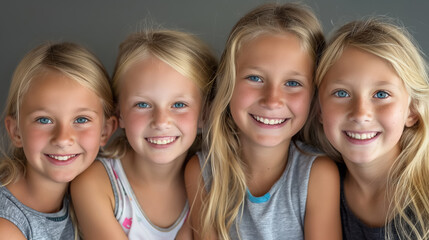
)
(101, 25)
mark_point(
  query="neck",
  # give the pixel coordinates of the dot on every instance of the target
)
(146, 172)
(265, 165)
(38, 193)
(369, 177)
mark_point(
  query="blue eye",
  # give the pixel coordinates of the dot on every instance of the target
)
(341, 94)
(142, 105)
(293, 83)
(381, 94)
(179, 105)
(81, 120)
(44, 120)
(254, 78)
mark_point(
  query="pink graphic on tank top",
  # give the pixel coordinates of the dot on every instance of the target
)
(127, 223)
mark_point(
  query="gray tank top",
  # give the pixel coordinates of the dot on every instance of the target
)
(33, 224)
(279, 214)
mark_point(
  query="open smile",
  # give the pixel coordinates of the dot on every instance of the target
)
(362, 136)
(161, 140)
(62, 157)
(269, 121)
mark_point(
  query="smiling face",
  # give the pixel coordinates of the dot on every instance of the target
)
(60, 127)
(159, 110)
(364, 107)
(273, 89)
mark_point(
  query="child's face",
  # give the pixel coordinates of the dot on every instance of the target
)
(60, 127)
(273, 89)
(159, 110)
(364, 107)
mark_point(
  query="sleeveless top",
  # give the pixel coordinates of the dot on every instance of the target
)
(279, 214)
(128, 212)
(33, 224)
(352, 227)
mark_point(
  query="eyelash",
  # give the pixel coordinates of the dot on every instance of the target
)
(177, 103)
(252, 78)
(297, 84)
(255, 78)
(142, 105)
(41, 120)
(385, 94)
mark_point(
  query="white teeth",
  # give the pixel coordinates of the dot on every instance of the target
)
(62, 158)
(161, 141)
(363, 136)
(268, 121)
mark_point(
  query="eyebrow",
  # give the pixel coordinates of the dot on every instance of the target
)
(292, 73)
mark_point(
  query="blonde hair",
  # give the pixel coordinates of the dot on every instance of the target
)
(182, 51)
(70, 59)
(221, 205)
(409, 176)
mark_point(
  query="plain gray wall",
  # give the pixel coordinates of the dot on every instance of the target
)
(101, 25)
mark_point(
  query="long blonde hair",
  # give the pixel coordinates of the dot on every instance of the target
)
(70, 59)
(182, 51)
(409, 176)
(221, 205)
(73, 61)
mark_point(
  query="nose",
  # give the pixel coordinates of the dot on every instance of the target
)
(160, 119)
(64, 136)
(361, 110)
(272, 97)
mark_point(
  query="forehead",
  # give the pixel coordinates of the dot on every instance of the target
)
(152, 73)
(280, 51)
(356, 61)
(52, 89)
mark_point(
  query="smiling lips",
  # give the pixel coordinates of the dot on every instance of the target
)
(161, 140)
(361, 136)
(269, 121)
(62, 157)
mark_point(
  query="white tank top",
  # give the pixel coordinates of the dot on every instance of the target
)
(128, 211)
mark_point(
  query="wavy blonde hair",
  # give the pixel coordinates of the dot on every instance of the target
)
(73, 61)
(227, 192)
(408, 178)
(182, 51)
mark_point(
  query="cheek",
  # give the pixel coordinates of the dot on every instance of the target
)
(90, 139)
(34, 139)
(300, 104)
(188, 122)
(242, 97)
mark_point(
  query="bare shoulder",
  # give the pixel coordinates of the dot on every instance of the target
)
(322, 217)
(193, 169)
(94, 176)
(324, 167)
(93, 183)
(8, 230)
(94, 204)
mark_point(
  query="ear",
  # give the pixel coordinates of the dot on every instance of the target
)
(12, 128)
(412, 118)
(110, 126)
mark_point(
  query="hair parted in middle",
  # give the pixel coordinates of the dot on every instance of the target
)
(183, 51)
(226, 194)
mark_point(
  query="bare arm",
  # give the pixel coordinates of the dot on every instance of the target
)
(185, 233)
(195, 190)
(94, 204)
(322, 217)
(8, 231)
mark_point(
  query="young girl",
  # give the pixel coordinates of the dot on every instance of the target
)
(58, 114)
(160, 82)
(258, 182)
(374, 110)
